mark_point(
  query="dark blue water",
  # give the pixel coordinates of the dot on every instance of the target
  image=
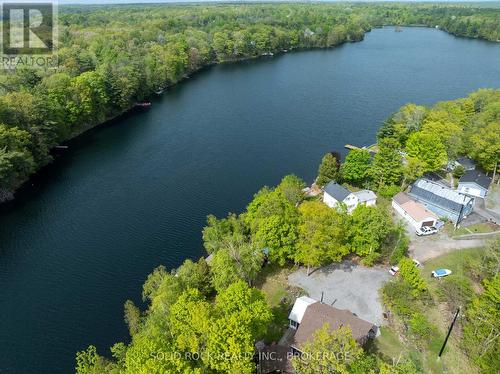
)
(134, 194)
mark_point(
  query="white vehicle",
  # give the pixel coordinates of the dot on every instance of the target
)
(393, 270)
(417, 263)
(440, 273)
(426, 230)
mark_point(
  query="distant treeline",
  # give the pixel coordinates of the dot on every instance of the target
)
(113, 56)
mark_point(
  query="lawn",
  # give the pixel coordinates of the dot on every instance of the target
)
(475, 229)
(273, 281)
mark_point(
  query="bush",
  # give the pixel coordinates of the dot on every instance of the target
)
(397, 296)
(388, 191)
(411, 275)
(421, 329)
(458, 171)
(401, 250)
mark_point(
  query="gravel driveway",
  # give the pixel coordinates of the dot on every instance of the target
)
(346, 285)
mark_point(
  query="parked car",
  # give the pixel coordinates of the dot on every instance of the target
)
(393, 270)
(440, 273)
(417, 263)
(426, 230)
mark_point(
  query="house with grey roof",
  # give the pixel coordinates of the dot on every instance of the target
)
(464, 161)
(335, 194)
(443, 201)
(474, 183)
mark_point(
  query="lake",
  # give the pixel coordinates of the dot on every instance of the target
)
(133, 194)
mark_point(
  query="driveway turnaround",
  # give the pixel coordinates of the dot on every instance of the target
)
(346, 286)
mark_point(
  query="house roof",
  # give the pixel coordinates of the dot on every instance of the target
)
(299, 308)
(439, 195)
(365, 195)
(466, 162)
(414, 209)
(417, 211)
(477, 177)
(318, 314)
(336, 191)
(401, 198)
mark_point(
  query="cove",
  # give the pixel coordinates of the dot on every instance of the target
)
(133, 194)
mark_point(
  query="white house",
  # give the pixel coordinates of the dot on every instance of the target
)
(413, 212)
(474, 183)
(334, 194)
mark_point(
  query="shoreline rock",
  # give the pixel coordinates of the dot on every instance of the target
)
(6, 195)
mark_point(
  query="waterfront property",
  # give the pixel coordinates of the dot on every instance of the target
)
(335, 194)
(415, 213)
(443, 201)
(474, 183)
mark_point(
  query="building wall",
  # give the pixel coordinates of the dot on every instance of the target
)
(413, 222)
(330, 200)
(441, 212)
(471, 189)
(371, 202)
(352, 202)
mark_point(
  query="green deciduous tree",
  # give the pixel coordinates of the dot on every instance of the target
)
(481, 337)
(328, 352)
(411, 274)
(322, 234)
(369, 227)
(486, 146)
(356, 166)
(427, 149)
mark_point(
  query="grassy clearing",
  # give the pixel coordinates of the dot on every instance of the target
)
(273, 281)
(476, 229)
(445, 296)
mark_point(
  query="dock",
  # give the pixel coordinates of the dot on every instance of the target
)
(370, 149)
(351, 147)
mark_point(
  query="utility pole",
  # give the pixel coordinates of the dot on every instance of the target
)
(449, 332)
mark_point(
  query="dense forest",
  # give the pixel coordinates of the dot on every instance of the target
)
(416, 140)
(205, 316)
(111, 57)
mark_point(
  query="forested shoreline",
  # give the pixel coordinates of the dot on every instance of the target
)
(111, 57)
(206, 316)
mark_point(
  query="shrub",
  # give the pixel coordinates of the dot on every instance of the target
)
(389, 191)
(411, 275)
(421, 329)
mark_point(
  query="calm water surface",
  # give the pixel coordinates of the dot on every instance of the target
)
(134, 194)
